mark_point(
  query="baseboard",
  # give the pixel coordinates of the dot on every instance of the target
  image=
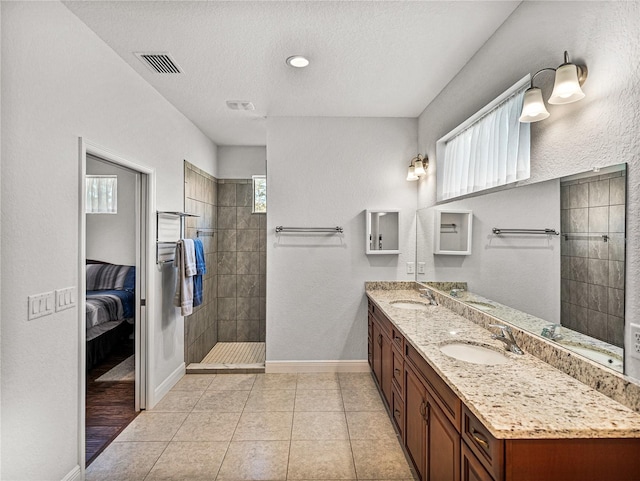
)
(74, 475)
(316, 366)
(166, 385)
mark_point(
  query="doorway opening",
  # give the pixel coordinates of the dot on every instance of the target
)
(226, 334)
(114, 224)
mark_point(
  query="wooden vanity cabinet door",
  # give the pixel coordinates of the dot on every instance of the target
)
(387, 369)
(472, 469)
(443, 456)
(415, 432)
(376, 352)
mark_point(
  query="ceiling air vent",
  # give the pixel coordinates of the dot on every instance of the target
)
(159, 62)
(240, 105)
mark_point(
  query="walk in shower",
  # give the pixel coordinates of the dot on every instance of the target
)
(227, 332)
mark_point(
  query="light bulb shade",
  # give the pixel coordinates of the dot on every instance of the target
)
(411, 175)
(566, 88)
(533, 108)
(419, 168)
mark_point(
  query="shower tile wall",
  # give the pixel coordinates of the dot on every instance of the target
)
(241, 264)
(592, 270)
(200, 197)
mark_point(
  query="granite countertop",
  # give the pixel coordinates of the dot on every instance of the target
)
(523, 399)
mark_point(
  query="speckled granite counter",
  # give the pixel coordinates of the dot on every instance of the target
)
(525, 398)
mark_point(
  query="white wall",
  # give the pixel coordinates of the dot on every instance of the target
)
(519, 271)
(112, 237)
(326, 172)
(599, 130)
(236, 162)
(60, 82)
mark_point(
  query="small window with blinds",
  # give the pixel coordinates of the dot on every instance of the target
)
(490, 149)
(101, 194)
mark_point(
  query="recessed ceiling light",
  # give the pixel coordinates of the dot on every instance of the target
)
(297, 61)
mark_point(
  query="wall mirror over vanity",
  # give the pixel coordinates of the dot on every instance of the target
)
(553, 266)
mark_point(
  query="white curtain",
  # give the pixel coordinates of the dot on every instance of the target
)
(492, 151)
(102, 194)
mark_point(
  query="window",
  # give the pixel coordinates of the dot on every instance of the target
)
(488, 150)
(259, 194)
(101, 194)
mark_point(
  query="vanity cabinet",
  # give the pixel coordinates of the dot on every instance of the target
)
(381, 352)
(433, 443)
(447, 442)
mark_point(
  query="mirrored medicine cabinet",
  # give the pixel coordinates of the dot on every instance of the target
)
(382, 233)
(453, 232)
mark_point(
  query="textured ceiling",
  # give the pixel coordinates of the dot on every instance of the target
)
(368, 59)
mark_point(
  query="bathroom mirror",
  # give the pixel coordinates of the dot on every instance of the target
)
(452, 232)
(561, 275)
(382, 233)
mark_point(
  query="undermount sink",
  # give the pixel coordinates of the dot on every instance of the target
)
(473, 353)
(595, 354)
(411, 305)
(483, 306)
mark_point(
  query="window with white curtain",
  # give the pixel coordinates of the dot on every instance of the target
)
(101, 194)
(490, 149)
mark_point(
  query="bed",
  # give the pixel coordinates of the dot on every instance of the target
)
(110, 308)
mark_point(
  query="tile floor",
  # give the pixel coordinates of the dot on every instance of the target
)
(315, 426)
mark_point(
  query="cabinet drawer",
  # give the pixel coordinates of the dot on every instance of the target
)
(472, 469)
(442, 394)
(397, 339)
(397, 411)
(488, 450)
(398, 372)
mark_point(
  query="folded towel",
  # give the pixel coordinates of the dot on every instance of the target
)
(184, 283)
(201, 268)
(189, 258)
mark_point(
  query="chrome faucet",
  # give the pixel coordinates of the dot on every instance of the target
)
(429, 295)
(552, 331)
(506, 336)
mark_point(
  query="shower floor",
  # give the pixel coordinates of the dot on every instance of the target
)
(236, 357)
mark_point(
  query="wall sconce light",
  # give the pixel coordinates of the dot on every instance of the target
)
(566, 89)
(418, 167)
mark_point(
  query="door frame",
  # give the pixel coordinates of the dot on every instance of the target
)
(145, 206)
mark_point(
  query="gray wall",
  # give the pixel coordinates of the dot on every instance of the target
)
(326, 172)
(112, 237)
(599, 130)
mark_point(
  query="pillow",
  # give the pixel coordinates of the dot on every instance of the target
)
(130, 280)
(107, 276)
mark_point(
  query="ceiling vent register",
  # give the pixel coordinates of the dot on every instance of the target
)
(159, 62)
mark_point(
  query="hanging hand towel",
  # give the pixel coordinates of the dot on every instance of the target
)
(201, 269)
(184, 283)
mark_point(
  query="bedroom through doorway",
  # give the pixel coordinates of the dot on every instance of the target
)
(115, 226)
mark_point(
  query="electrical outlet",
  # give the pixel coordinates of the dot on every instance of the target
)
(411, 267)
(421, 267)
(41, 305)
(635, 340)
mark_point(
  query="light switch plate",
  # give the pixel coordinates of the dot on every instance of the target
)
(421, 267)
(65, 298)
(41, 305)
(411, 268)
(635, 341)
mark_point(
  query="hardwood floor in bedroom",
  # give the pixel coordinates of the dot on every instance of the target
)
(109, 405)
